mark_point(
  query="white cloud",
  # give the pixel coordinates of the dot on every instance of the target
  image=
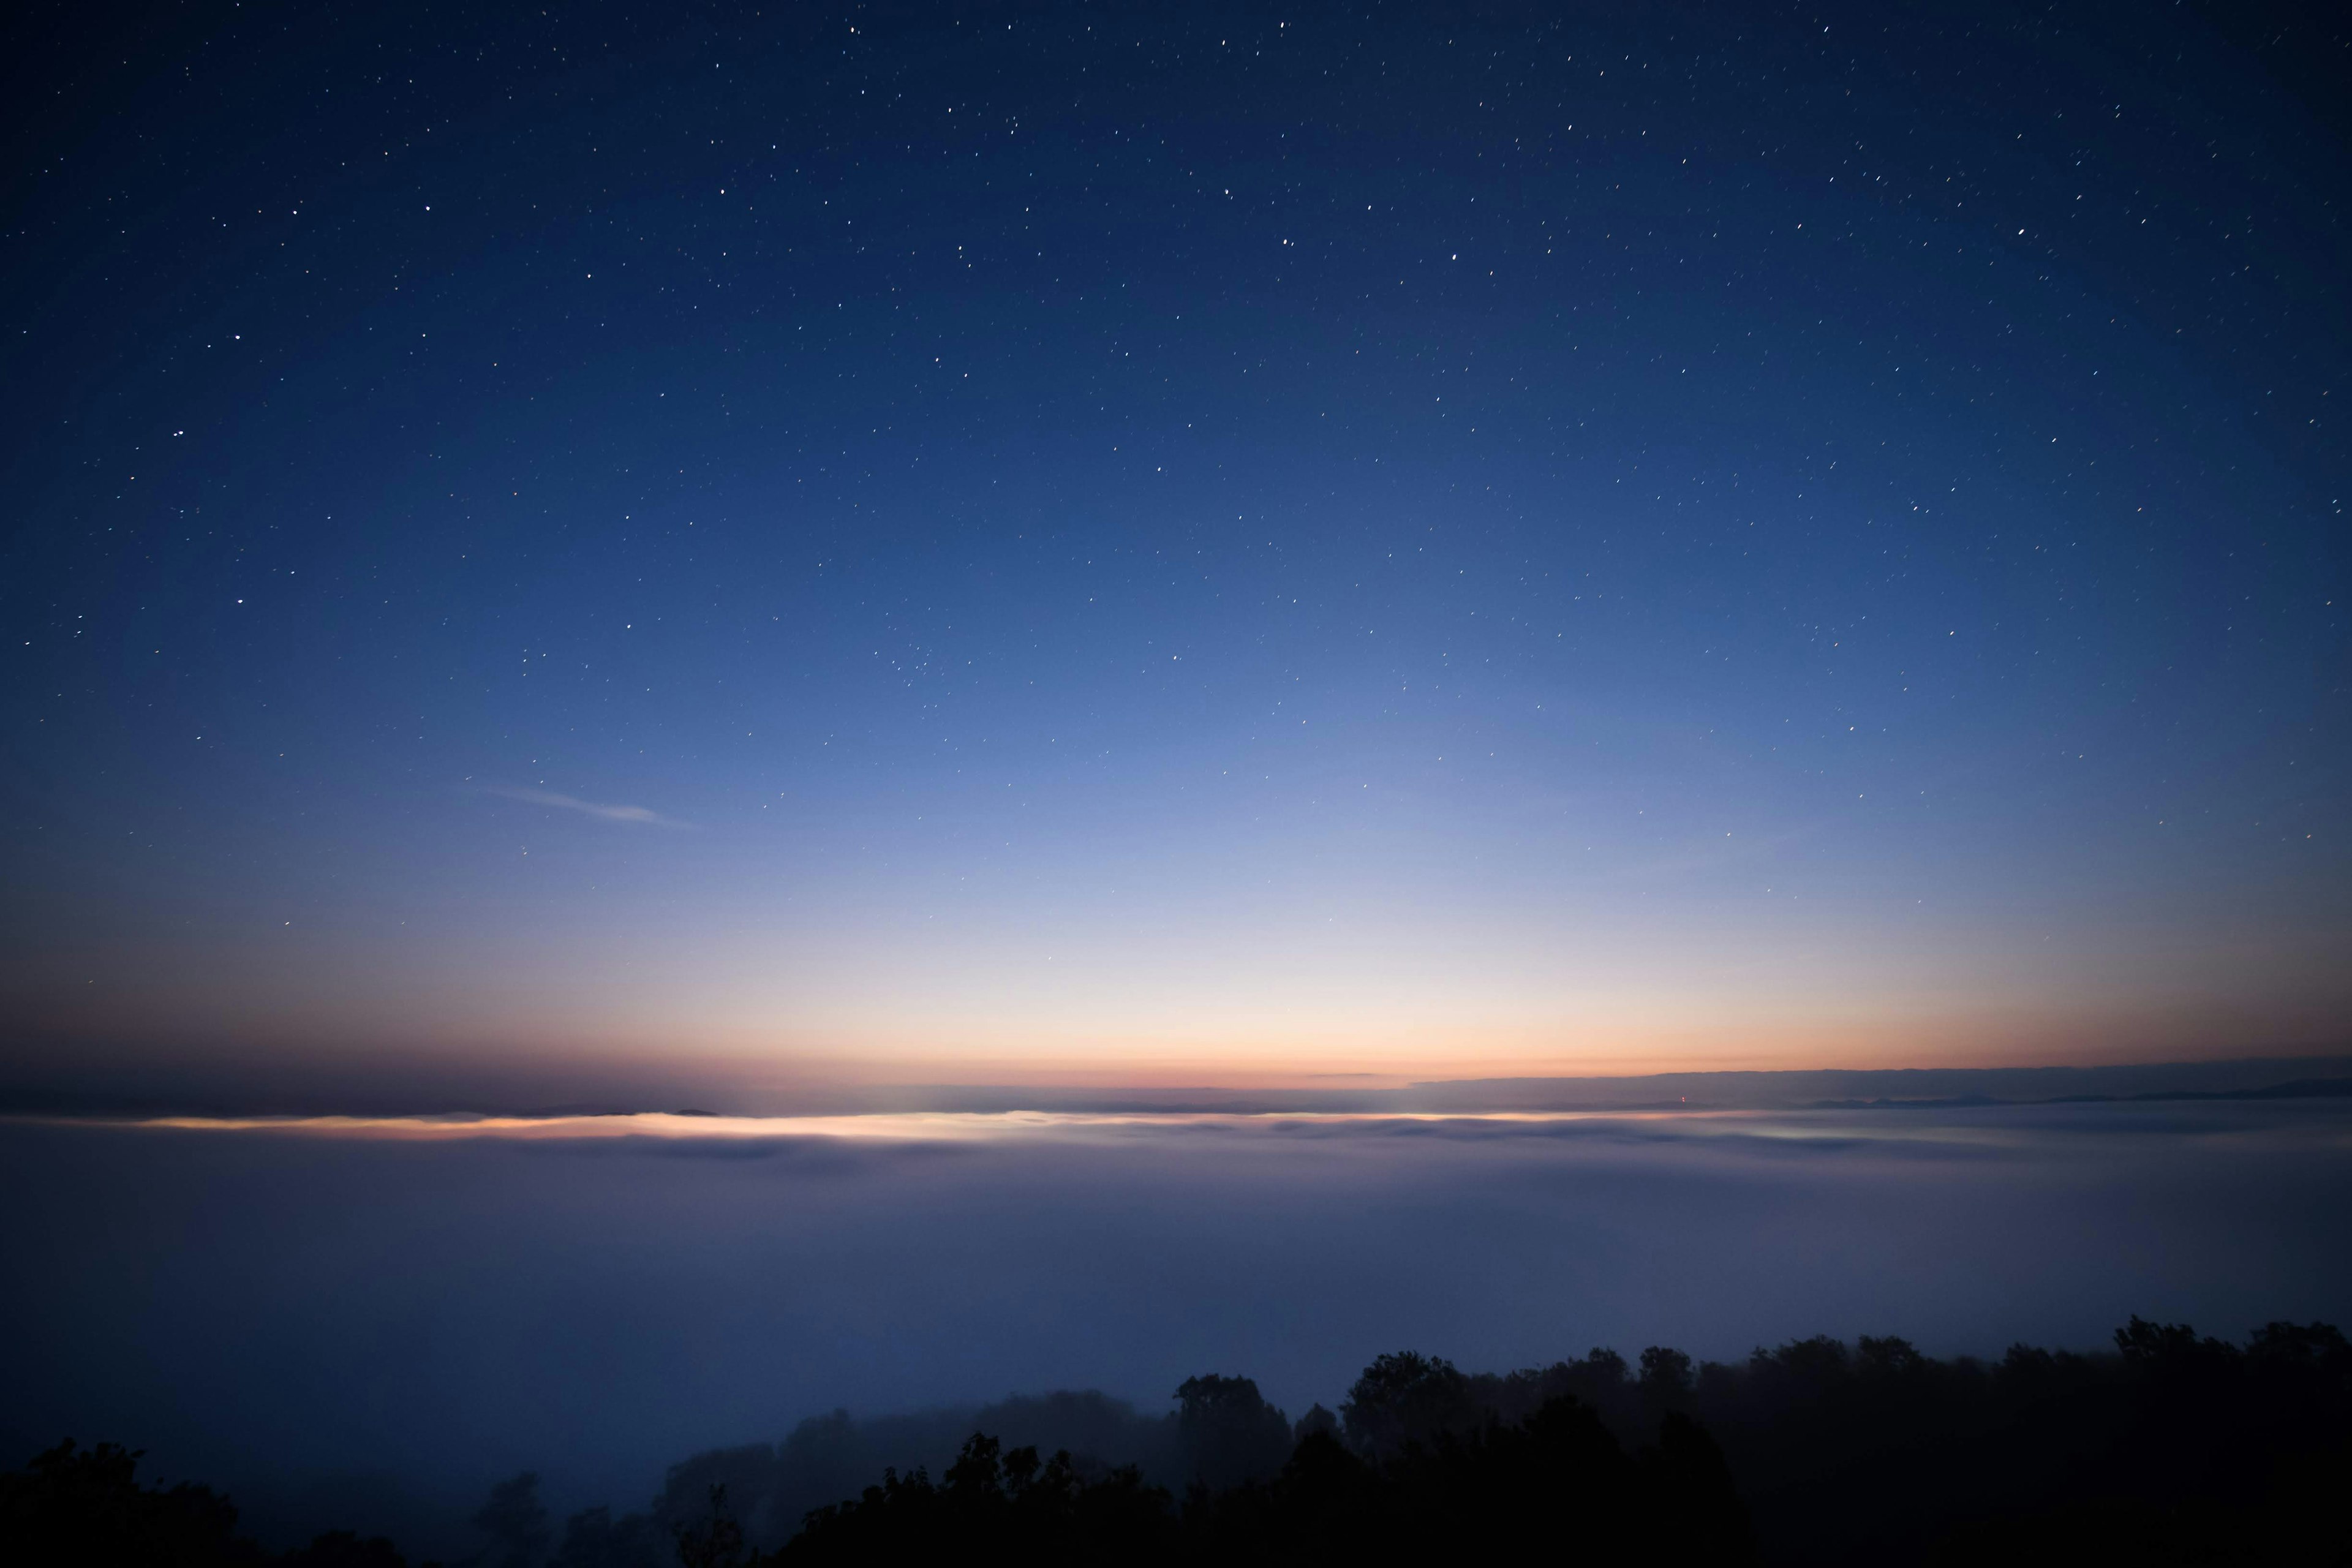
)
(587, 808)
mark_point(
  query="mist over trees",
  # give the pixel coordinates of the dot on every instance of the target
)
(2172, 1447)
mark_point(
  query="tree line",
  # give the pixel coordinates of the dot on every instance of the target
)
(2173, 1447)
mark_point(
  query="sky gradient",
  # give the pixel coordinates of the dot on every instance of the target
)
(1204, 546)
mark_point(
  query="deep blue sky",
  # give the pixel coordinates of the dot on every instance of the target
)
(1172, 543)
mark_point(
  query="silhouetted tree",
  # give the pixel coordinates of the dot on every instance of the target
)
(714, 1541)
(342, 1549)
(991, 1503)
(1603, 1368)
(1406, 1398)
(516, 1522)
(1316, 1420)
(84, 1507)
(2170, 1348)
(1666, 1373)
(594, 1539)
(2319, 1348)
(1693, 1513)
(1885, 1358)
(1228, 1433)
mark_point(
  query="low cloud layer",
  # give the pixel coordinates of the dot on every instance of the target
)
(443, 1310)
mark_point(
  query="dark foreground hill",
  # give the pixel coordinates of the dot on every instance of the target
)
(2172, 1449)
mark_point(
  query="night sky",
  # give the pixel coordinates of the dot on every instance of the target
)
(1170, 545)
(1072, 623)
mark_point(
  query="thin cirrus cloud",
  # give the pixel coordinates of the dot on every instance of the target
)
(636, 814)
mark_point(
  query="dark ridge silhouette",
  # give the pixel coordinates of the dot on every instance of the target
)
(2300, 1089)
(2171, 1448)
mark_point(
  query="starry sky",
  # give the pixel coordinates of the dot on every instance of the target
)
(1171, 544)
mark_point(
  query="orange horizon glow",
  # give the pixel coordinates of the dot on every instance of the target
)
(1157, 1062)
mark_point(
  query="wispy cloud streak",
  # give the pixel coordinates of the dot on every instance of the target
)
(639, 814)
